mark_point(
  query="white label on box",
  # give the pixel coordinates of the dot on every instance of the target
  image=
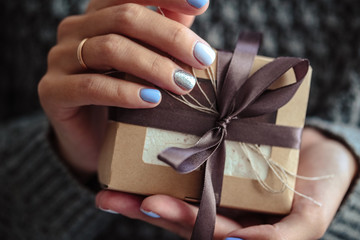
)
(237, 163)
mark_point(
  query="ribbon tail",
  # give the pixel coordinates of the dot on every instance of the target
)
(186, 160)
(205, 221)
(206, 218)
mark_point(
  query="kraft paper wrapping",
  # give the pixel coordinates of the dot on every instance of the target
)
(127, 159)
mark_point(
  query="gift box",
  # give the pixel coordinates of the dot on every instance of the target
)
(257, 171)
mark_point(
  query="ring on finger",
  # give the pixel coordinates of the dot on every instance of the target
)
(80, 55)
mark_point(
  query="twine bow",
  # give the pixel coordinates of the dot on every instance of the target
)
(239, 96)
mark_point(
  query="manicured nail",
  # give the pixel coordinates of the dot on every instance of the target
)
(233, 238)
(150, 214)
(184, 79)
(204, 54)
(150, 95)
(197, 3)
(108, 211)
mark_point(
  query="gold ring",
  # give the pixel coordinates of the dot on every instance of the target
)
(79, 54)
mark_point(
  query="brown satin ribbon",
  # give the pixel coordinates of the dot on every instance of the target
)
(245, 105)
(239, 96)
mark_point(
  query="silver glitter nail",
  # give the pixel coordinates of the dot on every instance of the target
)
(184, 79)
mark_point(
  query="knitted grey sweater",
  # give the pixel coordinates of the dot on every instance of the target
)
(40, 199)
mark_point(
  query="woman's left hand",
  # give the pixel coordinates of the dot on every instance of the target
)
(319, 156)
(120, 35)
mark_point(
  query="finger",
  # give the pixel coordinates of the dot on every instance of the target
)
(294, 227)
(171, 209)
(101, 53)
(130, 205)
(184, 214)
(186, 20)
(138, 22)
(95, 89)
(118, 202)
(260, 232)
(122, 54)
(189, 7)
(160, 210)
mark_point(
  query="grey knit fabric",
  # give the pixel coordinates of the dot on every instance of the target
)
(36, 200)
(39, 198)
(28, 32)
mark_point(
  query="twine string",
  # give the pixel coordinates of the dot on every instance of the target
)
(194, 103)
(281, 173)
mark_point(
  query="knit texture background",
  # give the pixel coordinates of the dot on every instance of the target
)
(39, 198)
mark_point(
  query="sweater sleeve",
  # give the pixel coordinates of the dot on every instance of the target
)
(39, 198)
(346, 222)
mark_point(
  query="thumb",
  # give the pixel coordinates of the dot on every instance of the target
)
(259, 232)
(295, 226)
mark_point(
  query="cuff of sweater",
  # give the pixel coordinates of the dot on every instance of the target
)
(40, 190)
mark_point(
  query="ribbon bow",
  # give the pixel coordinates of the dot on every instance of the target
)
(239, 96)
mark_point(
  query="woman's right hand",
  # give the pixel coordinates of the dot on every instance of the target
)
(117, 32)
(319, 156)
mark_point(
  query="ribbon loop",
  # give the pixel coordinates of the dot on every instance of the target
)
(186, 160)
(238, 68)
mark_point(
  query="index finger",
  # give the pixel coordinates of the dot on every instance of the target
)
(188, 7)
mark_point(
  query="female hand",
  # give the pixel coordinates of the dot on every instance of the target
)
(74, 98)
(319, 156)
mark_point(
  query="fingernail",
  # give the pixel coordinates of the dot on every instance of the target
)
(197, 3)
(184, 79)
(204, 54)
(108, 211)
(150, 214)
(150, 95)
(233, 238)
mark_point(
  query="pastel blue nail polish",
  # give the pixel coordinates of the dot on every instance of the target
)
(150, 214)
(108, 211)
(204, 54)
(197, 3)
(150, 95)
(233, 238)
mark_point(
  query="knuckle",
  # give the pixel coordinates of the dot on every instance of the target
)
(66, 26)
(111, 50)
(128, 13)
(177, 34)
(89, 87)
(99, 92)
(45, 90)
(109, 46)
(43, 87)
(157, 64)
(54, 55)
(125, 99)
